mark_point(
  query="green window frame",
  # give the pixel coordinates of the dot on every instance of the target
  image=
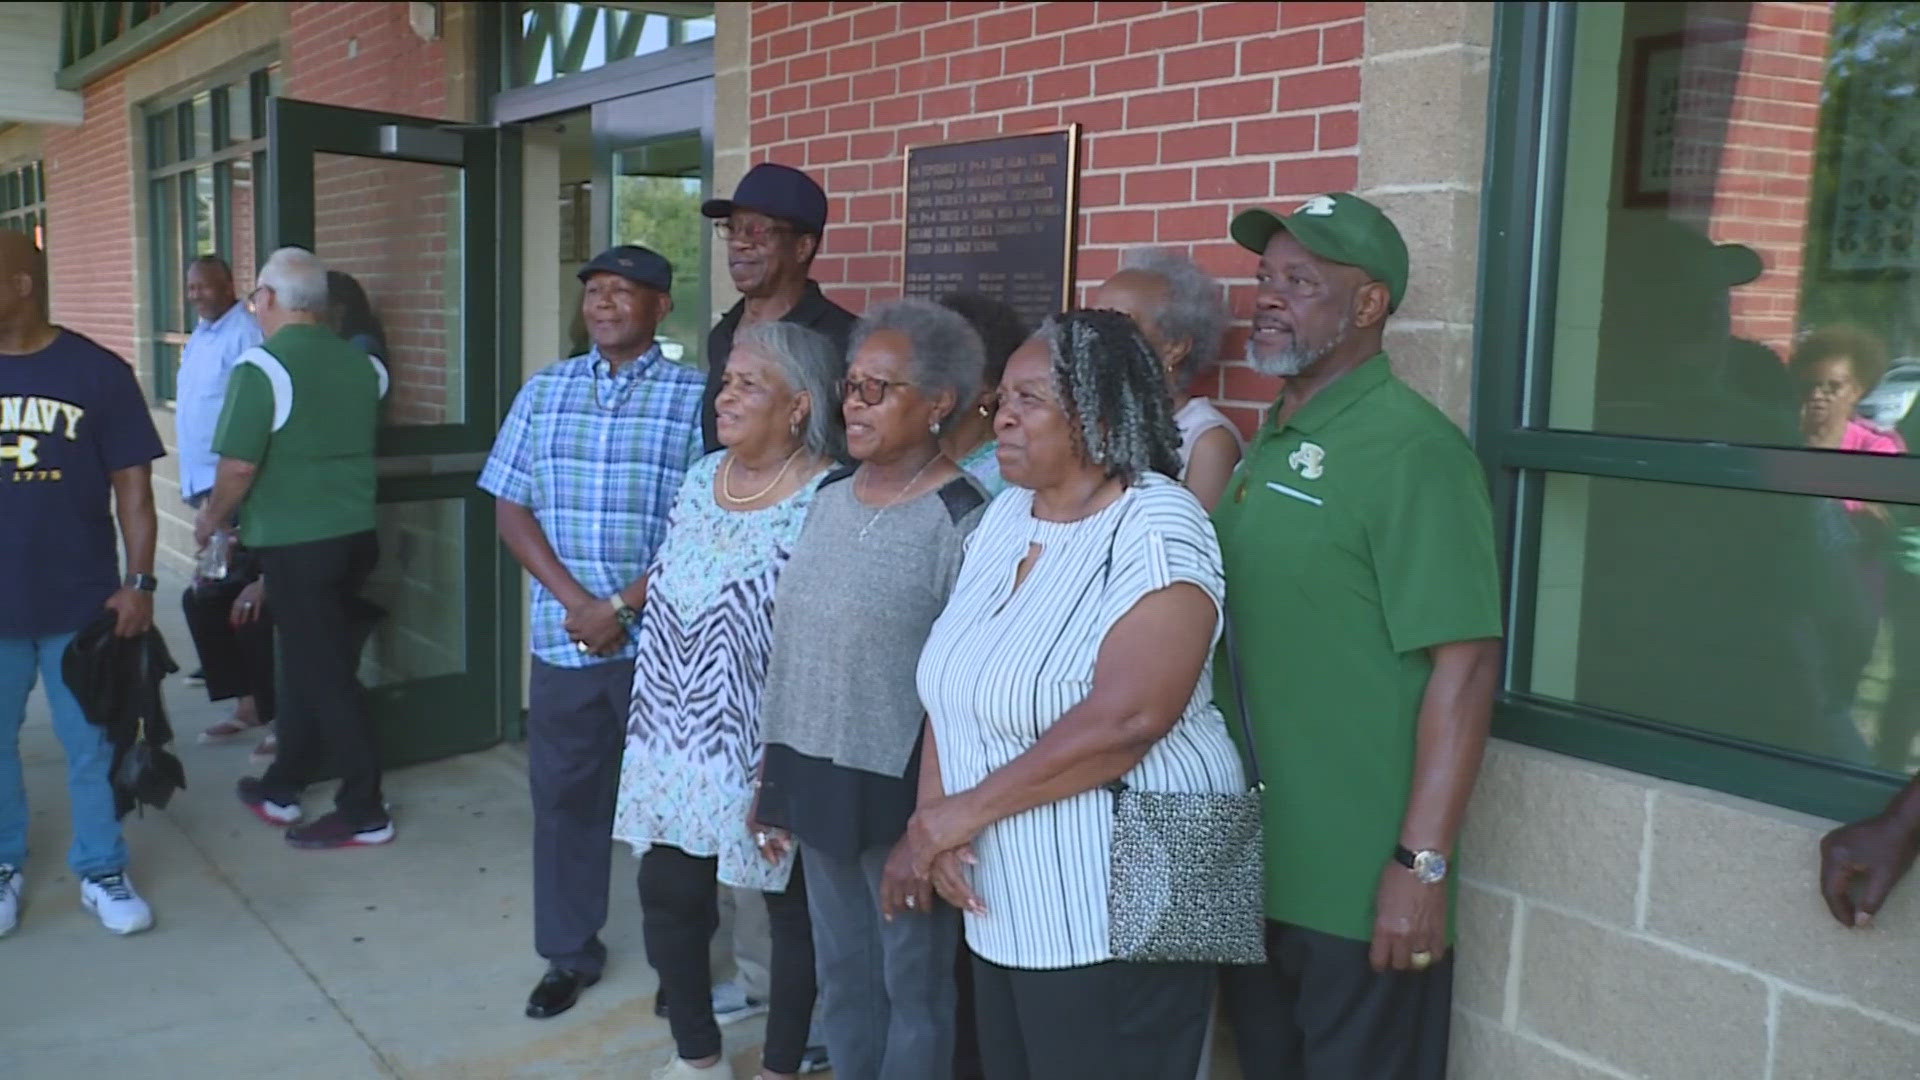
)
(201, 148)
(1528, 138)
(23, 200)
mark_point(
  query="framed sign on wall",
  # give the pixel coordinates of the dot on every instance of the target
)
(995, 216)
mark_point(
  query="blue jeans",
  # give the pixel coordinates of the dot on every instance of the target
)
(98, 847)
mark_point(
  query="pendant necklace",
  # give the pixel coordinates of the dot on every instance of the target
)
(899, 496)
(726, 481)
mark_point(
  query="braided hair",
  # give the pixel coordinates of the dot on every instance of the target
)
(1114, 390)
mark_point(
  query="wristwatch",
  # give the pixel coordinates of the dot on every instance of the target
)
(1429, 866)
(143, 582)
(623, 610)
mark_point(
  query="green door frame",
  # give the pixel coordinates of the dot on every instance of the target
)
(441, 715)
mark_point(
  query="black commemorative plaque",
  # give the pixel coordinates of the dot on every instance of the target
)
(994, 216)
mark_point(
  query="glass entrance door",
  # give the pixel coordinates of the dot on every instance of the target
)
(655, 166)
(404, 210)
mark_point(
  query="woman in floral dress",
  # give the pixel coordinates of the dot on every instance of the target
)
(693, 734)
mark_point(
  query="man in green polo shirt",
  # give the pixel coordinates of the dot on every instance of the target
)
(1361, 578)
(295, 440)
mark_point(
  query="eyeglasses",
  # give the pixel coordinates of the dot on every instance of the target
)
(257, 290)
(871, 391)
(752, 235)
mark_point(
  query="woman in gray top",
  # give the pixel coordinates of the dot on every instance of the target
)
(841, 716)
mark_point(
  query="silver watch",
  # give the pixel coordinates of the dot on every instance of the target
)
(1429, 866)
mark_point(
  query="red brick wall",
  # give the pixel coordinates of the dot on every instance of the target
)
(91, 186)
(1190, 112)
(1763, 190)
(367, 57)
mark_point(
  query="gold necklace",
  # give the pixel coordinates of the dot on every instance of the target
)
(901, 494)
(726, 480)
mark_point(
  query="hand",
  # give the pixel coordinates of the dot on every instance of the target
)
(952, 881)
(204, 526)
(248, 606)
(1409, 917)
(940, 825)
(774, 844)
(901, 887)
(1872, 855)
(593, 622)
(133, 609)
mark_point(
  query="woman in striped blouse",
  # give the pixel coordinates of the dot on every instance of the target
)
(1073, 652)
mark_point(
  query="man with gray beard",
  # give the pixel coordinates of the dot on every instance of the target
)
(1365, 599)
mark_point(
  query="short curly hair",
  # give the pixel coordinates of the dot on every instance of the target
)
(1193, 313)
(1862, 349)
(1114, 391)
(947, 353)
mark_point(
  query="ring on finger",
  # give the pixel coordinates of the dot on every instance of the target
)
(1422, 960)
(760, 839)
(913, 902)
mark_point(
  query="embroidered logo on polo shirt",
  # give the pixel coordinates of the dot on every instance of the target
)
(1318, 206)
(1310, 461)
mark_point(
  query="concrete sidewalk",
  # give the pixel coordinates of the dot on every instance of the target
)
(410, 960)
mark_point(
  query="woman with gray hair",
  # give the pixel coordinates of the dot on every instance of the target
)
(842, 718)
(1178, 308)
(1073, 655)
(693, 731)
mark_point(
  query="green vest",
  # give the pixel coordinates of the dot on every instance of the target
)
(304, 406)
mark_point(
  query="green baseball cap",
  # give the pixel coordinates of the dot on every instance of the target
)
(1339, 227)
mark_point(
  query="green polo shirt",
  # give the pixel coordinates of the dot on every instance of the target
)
(1355, 537)
(304, 406)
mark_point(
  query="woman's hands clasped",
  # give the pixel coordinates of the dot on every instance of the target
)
(933, 856)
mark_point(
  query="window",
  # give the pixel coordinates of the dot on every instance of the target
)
(1699, 362)
(546, 41)
(23, 201)
(206, 161)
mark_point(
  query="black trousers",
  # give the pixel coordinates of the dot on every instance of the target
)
(680, 910)
(237, 662)
(1123, 1021)
(323, 726)
(1316, 1010)
(576, 725)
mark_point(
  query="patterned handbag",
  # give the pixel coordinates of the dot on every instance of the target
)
(1188, 880)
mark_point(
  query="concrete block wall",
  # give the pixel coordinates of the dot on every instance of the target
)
(1618, 927)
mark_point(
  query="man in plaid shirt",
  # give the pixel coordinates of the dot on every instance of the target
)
(583, 473)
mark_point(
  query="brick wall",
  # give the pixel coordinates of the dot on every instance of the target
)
(365, 56)
(1190, 112)
(91, 187)
(1762, 193)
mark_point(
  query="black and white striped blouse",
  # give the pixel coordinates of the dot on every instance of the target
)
(1003, 664)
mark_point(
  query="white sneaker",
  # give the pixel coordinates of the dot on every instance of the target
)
(111, 897)
(11, 885)
(682, 1069)
(732, 1004)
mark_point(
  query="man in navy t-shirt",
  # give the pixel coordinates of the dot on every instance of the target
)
(76, 449)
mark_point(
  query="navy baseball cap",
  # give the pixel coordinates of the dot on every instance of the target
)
(639, 265)
(778, 191)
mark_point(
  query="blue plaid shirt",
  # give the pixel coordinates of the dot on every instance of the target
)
(598, 457)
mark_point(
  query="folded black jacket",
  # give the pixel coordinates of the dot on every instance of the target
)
(117, 681)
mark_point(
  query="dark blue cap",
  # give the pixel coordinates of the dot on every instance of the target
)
(778, 191)
(635, 263)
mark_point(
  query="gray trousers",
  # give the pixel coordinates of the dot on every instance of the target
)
(887, 987)
(576, 726)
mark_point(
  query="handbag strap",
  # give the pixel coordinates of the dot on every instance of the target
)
(1247, 753)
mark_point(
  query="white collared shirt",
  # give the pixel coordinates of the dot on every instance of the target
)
(200, 391)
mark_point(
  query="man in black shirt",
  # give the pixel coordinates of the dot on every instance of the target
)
(772, 230)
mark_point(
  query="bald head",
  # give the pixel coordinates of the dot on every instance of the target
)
(23, 284)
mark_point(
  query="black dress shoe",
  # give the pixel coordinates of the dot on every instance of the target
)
(558, 990)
